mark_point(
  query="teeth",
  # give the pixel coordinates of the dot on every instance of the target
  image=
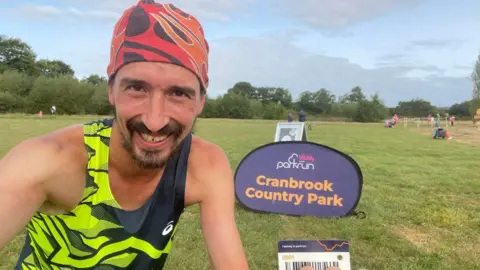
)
(150, 138)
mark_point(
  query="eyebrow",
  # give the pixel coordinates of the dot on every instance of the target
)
(127, 81)
(186, 89)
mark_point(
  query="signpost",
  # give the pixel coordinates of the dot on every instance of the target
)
(290, 131)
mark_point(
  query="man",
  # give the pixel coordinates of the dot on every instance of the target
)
(109, 194)
(301, 116)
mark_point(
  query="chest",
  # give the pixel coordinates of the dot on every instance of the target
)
(131, 194)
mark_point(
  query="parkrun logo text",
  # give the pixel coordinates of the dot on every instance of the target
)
(295, 161)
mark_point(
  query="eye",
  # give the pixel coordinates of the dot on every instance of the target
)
(179, 93)
(135, 87)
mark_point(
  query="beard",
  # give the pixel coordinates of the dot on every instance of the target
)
(151, 158)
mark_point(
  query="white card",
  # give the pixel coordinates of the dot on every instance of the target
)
(319, 254)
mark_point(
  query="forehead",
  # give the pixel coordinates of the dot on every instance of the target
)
(158, 74)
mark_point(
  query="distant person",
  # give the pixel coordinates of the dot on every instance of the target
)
(53, 109)
(388, 123)
(301, 116)
(431, 120)
(290, 117)
(440, 133)
(395, 119)
(40, 114)
(108, 194)
(452, 120)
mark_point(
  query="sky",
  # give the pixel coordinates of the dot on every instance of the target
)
(400, 49)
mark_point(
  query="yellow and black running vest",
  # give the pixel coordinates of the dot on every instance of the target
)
(97, 233)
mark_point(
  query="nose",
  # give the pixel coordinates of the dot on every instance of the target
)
(154, 117)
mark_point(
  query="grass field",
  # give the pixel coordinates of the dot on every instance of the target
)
(421, 197)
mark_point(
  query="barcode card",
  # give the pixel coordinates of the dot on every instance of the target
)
(318, 254)
(314, 265)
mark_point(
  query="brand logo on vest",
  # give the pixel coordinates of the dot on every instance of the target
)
(168, 229)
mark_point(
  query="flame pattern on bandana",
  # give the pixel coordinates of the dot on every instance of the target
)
(159, 33)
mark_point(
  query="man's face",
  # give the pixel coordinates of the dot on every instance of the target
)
(156, 105)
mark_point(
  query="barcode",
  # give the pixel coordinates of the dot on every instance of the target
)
(314, 265)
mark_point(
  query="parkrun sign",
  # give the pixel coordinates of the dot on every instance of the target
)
(299, 178)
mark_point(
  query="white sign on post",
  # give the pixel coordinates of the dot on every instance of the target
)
(290, 131)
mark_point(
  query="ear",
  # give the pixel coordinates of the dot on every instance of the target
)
(201, 104)
(110, 95)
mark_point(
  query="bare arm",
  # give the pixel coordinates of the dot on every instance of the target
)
(218, 218)
(29, 178)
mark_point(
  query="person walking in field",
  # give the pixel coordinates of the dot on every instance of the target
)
(290, 117)
(301, 116)
(452, 120)
(395, 119)
(109, 194)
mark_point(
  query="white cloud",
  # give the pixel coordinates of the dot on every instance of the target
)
(40, 12)
(337, 14)
(96, 14)
(37, 12)
(218, 10)
(434, 43)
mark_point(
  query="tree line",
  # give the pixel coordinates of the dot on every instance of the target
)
(30, 85)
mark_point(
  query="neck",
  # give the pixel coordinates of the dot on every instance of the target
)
(122, 161)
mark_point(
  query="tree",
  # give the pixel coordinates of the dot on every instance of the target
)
(273, 95)
(460, 109)
(17, 55)
(245, 89)
(370, 110)
(356, 95)
(306, 101)
(95, 80)
(323, 100)
(476, 79)
(16, 87)
(54, 68)
(235, 106)
(415, 107)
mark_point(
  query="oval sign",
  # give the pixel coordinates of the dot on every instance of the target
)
(299, 178)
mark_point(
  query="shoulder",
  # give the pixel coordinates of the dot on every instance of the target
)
(48, 155)
(206, 156)
(48, 162)
(65, 142)
(209, 171)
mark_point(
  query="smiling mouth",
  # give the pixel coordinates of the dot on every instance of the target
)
(154, 139)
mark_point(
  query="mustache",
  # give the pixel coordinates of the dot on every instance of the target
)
(173, 127)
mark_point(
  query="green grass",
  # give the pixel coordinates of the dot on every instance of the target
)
(421, 197)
